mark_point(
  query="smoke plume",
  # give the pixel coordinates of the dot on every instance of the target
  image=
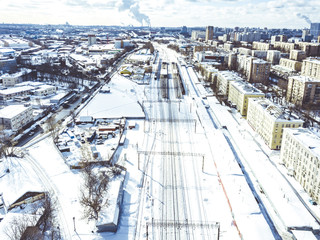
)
(134, 9)
(304, 17)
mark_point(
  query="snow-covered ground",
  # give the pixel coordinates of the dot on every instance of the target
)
(121, 102)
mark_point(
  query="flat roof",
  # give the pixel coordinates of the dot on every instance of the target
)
(308, 139)
(12, 111)
(246, 88)
(305, 79)
(275, 111)
(15, 90)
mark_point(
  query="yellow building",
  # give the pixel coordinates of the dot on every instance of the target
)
(239, 94)
(269, 120)
(297, 55)
(261, 46)
(291, 64)
(223, 80)
(302, 90)
(301, 155)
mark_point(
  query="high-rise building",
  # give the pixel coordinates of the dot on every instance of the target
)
(92, 39)
(315, 29)
(209, 33)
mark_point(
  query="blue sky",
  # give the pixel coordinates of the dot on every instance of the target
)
(175, 13)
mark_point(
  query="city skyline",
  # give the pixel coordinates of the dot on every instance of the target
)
(222, 13)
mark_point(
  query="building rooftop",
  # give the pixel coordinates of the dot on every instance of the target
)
(308, 139)
(305, 79)
(230, 75)
(12, 111)
(314, 60)
(15, 90)
(275, 111)
(246, 88)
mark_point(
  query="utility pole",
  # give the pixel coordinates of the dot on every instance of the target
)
(74, 224)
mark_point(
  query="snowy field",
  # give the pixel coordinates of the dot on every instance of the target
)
(120, 102)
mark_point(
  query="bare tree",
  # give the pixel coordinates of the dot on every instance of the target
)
(93, 192)
(7, 144)
(53, 127)
(17, 228)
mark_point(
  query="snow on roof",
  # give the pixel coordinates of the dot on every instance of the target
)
(303, 235)
(16, 90)
(229, 75)
(20, 180)
(110, 214)
(305, 79)
(275, 111)
(12, 111)
(314, 60)
(246, 88)
(307, 138)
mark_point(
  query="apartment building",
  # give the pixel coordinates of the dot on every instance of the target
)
(259, 54)
(269, 120)
(223, 80)
(284, 46)
(10, 93)
(195, 35)
(311, 68)
(297, 55)
(291, 64)
(239, 94)
(45, 90)
(311, 49)
(273, 56)
(14, 117)
(303, 90)
(258, 71)
(244, 51)
(209, 33)
(261, 46)
(300, 153)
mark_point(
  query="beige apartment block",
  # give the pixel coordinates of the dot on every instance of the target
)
(297, 55)
(239, 94)
(269, 120)
(303, 90)
(223, 80)
(311, 49)
(300, 153)
(261, 46)
(244, 51)
(290, 64)
(15, 116)
(273, 56)
(284, 46)
(311, 68)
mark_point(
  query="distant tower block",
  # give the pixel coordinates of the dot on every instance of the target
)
(209, 33)
(92, 39)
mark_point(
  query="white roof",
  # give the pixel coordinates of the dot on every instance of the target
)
(305, 79)
(246, 88)
(15, 90)
(308, 139)
(12, 111)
